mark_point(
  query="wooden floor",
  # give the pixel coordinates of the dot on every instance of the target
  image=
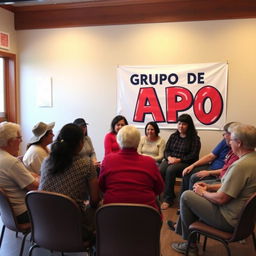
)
(11, 244)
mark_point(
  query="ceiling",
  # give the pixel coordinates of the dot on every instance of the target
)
(65, 13)
(40, 2)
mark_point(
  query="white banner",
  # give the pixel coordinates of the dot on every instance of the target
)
(162, 93)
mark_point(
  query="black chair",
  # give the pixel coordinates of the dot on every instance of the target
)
(243, 229)
(56, 223)
(128, 229)
(9, 220)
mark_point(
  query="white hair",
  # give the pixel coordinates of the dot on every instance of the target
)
(246, 134)
(8, 131)
(128, 137)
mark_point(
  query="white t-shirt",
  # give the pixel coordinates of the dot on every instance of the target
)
(34, 157)
(14, 177)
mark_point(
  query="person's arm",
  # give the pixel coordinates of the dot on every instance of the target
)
(93, 154)
(161, 147)
(33, 186)
(203, 160)
(108, 143)
(167, 151)
(205, 173)
(139, 149)
(219, 198)
(102, 176)
(94, 192)
(209, 187)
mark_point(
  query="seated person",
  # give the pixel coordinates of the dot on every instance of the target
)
(88, 149)
(221, 208)
(15, 179)
(65, 172)
(211, 161)
(110, 143)
(37, 149)
(128, 177)
(152, 144)
(182, 149)
(214, 176)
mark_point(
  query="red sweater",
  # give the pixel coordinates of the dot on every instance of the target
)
(110, 143)
(127, 177)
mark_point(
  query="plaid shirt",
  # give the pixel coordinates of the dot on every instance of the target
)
(184, 148)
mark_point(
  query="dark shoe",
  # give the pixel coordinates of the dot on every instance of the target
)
(178, 212)
(181, 247)
(171, 224)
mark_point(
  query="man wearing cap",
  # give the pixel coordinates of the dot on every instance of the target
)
(15, 179)
(37, 149)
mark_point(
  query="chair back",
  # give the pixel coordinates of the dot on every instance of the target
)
(246, 222)
(56, 221)
(128, 229)
(7, 213)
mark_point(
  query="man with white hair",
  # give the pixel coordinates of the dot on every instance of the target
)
(128, 177)
(15, 179)
(220, 207)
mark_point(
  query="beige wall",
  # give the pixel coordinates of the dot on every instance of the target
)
(82, 65)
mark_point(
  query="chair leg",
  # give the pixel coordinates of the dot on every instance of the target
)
(22, 244)
(2, 235)
(32, 248)
(205, 242)
(227, 248)
(191, 235)
(254, 240)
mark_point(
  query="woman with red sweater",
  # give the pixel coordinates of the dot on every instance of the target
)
(110, 143)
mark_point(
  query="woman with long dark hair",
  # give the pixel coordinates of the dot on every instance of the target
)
(182, 149)
(110, 143)
(64, 171)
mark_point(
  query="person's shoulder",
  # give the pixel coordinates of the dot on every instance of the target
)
(222, 144)
(143, 138)
(109, 135)
(174, 134)
(88, 138)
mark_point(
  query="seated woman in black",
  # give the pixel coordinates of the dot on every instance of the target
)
(182, 149)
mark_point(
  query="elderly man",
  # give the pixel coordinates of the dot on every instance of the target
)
(220, 205)
(209, 165)
(15, 179)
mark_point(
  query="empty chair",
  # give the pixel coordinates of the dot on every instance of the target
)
(243, 229)
(56, 223)
(9, 220)
(128, 229)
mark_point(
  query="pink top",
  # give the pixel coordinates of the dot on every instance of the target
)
(230, 159)
(127, 177)
(110, 143)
